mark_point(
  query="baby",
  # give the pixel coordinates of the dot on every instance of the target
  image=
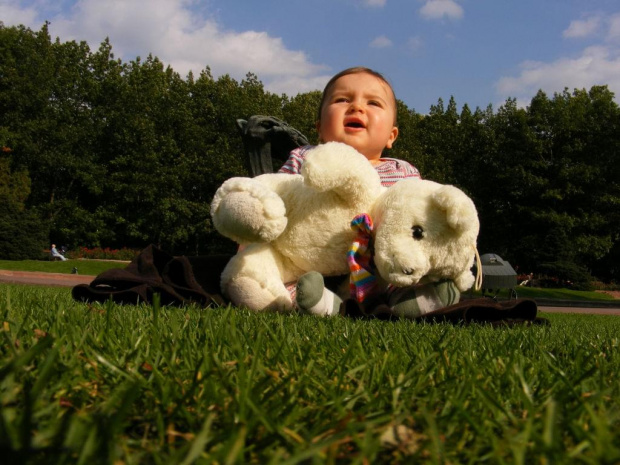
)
(358, 108)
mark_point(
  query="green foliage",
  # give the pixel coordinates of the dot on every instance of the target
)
(566, 274)
(121, 154)
(301, 112)
(97, 253)
(23, 234)
(150, 384)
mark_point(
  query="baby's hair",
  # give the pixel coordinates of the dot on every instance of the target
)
(357, 70)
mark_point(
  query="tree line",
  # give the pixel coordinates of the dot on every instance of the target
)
(100, 152)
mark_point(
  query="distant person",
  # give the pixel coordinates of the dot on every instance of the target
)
(55, 254)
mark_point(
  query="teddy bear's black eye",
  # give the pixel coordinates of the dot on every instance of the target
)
(417, 232)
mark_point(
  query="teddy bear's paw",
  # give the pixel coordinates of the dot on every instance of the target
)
(340, 168)
(329, 165)
(248, 212)
(465, 281)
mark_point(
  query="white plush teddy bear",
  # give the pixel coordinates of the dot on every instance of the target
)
(292, 224)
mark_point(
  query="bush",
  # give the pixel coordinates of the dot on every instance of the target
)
(97, 253)
(23, 234)
(601, 286)
(565, 274)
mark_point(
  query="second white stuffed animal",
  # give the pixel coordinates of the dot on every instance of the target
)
(424, 232)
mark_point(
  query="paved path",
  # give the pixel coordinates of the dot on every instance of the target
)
(70, 280)
(46, 279)
(588, 310)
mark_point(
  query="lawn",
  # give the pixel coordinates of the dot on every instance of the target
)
(85, 267)
(149, 384)
(548, 293)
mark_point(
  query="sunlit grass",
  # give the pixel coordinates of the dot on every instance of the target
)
(547, 293)
(149, 384)
(85, 267)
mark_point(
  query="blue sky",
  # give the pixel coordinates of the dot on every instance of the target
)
(479, 51)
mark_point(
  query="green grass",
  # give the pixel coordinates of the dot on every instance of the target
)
(545, 293)
(566, 294)
(85, 267)
(148, 384)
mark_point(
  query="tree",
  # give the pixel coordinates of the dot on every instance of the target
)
(438, 136)
(301, 112)
(408, 146)
(23, 234)
(582, 148)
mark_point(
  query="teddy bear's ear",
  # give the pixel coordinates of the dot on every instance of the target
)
(461, 213)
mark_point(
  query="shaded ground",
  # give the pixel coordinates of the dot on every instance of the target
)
(70, 280)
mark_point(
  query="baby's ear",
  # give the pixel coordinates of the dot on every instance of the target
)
(461, 213)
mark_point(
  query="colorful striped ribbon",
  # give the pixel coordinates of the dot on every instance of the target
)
(362, 282)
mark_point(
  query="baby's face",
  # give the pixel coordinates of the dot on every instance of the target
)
(359, 111)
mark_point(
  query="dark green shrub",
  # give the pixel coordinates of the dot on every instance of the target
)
(567, 275)
(23, 234)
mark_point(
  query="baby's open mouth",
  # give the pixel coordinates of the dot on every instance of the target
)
(354, 124)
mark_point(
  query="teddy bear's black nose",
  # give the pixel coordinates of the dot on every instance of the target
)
(407, 271)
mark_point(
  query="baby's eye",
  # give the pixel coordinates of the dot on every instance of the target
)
(417, 232)
(374, 103)
(341, 100)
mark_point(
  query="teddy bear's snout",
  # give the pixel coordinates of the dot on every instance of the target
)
(408, 271)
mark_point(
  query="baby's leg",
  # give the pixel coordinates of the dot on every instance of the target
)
(314, 298)
(415, 301)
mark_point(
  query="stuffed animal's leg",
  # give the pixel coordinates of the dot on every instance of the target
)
(253, 279)
(415, 301)
(248, 211)
(314, 298)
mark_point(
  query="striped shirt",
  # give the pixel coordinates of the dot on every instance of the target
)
(391, 170)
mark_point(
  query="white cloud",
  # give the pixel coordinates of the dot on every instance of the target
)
(438, 9)
(292, 85)
(374, 3)
(597, 65)
(582, 28)
(13, 15)
(381, 42)
(180, 38)
(614, 28)
(415, 43)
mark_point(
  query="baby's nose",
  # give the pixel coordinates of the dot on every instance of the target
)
(355, 106)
